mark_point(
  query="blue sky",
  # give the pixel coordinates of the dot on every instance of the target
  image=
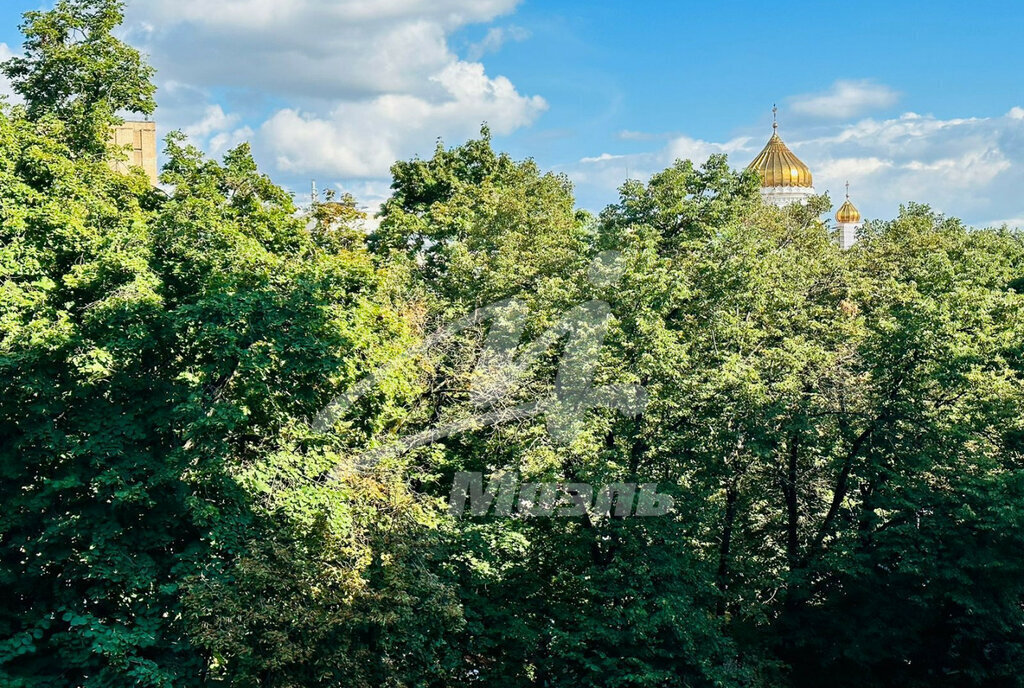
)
(907, 101)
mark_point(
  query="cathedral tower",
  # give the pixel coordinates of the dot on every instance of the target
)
(848, 219)
(785, 178)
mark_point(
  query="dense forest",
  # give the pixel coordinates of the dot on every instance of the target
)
(840, 432)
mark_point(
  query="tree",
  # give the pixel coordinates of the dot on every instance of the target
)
(313, 581)
(160, 359)
(841, 432)
(609, 601)
(467, 216)
(912, 577)
(95, 527)
(76, 70)
(830, 423)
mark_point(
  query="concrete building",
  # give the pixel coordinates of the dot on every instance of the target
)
(141, 137)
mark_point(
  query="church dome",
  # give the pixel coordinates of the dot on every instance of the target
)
(848, 213)
(778, 166)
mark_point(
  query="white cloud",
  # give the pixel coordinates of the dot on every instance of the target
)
(845, 99)
(5, 85)
(606, 172)
(306, 49)
(214, 120)
(972, 168)
(1016, 222)
(604, 157)
(217, 131)
(960, 165)
(363, 139)
(273, 14)
(630, 135)
(852, 167)
(496, 37)
(340, 87)
(686, 148)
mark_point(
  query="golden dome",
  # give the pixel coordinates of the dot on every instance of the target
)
(777, 166)
(847, 212)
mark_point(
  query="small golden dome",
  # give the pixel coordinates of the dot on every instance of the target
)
(777, 166)
(847, 212)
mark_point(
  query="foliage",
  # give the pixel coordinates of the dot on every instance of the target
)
(76, 70)
(468, 215)
(840, 431)
(160, 359)
(93, 534)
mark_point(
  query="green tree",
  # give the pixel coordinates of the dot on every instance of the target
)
(76, 70)
(912, 575)
(580, 601)
(841, 431)
(94, 527)
(468, 216)
(167, 519)
(313, 581)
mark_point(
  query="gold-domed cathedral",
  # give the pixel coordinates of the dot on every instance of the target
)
(785, 179)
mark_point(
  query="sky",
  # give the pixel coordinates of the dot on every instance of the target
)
(905, 100)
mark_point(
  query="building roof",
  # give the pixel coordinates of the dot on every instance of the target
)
(778, 166)
(847, 212)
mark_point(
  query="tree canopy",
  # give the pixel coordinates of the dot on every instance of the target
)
(76, 70)
(840, 432)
